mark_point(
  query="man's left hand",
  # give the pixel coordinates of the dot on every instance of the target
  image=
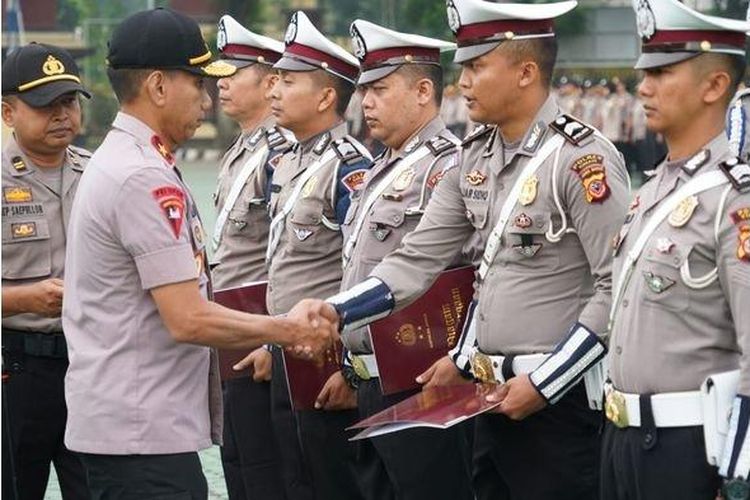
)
(518, 398)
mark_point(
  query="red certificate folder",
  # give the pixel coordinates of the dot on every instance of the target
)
(250, 298)
(436, 407)
(306, 378)
(411, 340)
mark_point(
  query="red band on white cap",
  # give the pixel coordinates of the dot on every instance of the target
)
(420, 54)
(661, 37)
(333, 63)
(235, 49)
(472, 34)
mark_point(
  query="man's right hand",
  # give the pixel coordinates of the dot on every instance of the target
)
(442, 372)
(43, 298)
(260, 362)
(315, 328)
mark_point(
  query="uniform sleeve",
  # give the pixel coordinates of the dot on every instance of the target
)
(595, 188)
(734, 276)
(152, 227)
(349, 179)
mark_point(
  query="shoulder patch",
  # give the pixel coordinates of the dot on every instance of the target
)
(475, 134)
(438, 145)
(738, 174)
(590, 169)
(346, 151)
(275, 138)
(171, 199)
(354, 179)
(573, 130)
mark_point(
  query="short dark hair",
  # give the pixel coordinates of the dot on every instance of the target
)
(127, 82)
(543, 51)
(432, 72)
(733, 64)
(344, 89)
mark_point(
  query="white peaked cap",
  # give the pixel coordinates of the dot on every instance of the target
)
(381, 51)
(481, 26)
(307, 49)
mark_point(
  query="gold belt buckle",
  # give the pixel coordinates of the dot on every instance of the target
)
(360, 368)
(615, 408)
(481, 367)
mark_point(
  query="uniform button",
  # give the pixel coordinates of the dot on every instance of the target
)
(625, 303)
(676, 260)
(481, 316)
(618, 349)
(648, 438)
(395, 218)
(500, 186)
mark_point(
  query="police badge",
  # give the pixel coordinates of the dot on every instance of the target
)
(291, 30)
(454, 21)
(644, 19)
(360, 49)
(221, 36)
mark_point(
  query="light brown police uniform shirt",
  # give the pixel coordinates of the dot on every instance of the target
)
(397, 210)
(35, 215)
(676, 324)
(537, 287)
(307, 261)
(131, 388)
(241, 254)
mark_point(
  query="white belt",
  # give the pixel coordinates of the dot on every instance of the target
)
(483, 364)
(670, 409)
(365, 366)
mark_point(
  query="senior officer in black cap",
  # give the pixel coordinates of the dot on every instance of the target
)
(41, 171)
(142, 387)
(544, 192)
(680, 321)
(250, 454)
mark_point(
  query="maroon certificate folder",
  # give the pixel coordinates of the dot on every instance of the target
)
(436, 407)
(306, 378)
(249, 298)
(409, 341)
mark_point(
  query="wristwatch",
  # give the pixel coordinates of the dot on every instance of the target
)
(736, 489)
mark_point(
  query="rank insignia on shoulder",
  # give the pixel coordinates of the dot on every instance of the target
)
(275, 138)
(656, 283)
(353, 180)
(18, 164)
(17, 194)
(697, 161)
(23, 230)
(322, 143)
(571, 129)
(476, 133)
(438, 145)
(162, 149)
(171, 199)
(683, 212)
(738, 174)
(743, 247)
(346, 151)
(475, 178)
(590, 169)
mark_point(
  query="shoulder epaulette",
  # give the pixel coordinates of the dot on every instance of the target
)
(380, 155)
(573, 130)
(346, 151)
(738, 174)
(475, 134)
(80, 151)
(79, 157)
(439, 144)
(275, 138)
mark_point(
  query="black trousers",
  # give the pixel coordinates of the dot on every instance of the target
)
(550, 455)
(176, 476)
(34, 415)
(294, 469)
(250, 455)
(642, 464)
(414, 464)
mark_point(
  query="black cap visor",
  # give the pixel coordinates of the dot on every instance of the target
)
(43, 95)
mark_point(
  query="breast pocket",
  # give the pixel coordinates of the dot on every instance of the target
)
(247, 221)
(27, 251)
(308, 233)
(386, 227)
(660, 275)
(526, 243)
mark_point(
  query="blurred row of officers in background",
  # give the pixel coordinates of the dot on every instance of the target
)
(110, 334)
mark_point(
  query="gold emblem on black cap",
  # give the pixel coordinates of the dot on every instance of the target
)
(52, 66)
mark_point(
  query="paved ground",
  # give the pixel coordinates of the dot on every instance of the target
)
(202, 177)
